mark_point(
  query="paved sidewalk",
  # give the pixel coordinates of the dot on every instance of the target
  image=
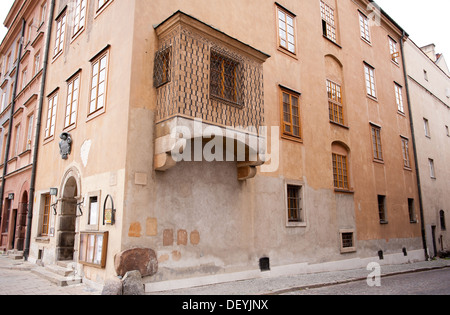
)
(285, 284)
(16, 278)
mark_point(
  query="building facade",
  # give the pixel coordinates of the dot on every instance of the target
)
(429, 90)
(21, 76)
(227, 146)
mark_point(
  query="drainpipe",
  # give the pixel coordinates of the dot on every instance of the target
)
(413, 134)
(26, 251)
(11, 115)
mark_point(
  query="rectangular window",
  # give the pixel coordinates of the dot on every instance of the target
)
(98, 83)
(291, 114)
(93, 247)
(432, 170)
(286, 30)
(447, 130)
(376, 142)
(426, 126)
(73, 89)
(412, 211)
(405, 150)
(328, 21)
(51, 116)
(335, 102)
(294, 202)
(46, 215)
(79, 16)
(370, 80)
(347, 241)
(60, 34)
(43, 12)
(3, 102)
(393, 47)
(224, 78)
(93, 211)
(364, 27)
(24, 78)
(17, 140)
(399, 98)
(30, 132)
(37, 63)
(162, 66)
(382, 209)
(340, 171)
(30, 30)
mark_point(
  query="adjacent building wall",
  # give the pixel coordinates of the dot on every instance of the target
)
(428, 88)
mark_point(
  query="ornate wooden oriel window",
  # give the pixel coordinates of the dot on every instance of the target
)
(225, 78)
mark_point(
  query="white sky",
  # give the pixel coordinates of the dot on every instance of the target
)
(426, 21)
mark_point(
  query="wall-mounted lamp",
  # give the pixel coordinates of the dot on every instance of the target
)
(53, 191)
(11, 196)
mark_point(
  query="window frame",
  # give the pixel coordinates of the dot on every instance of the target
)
(51, 116)
(83, 255)
(285, 48)
(60, 35)
(45, 215)
(341, 172)
(406, 154)
(97, 60)
(370, 80)
(426, 126)
(432, 168)
(70, 105)
(377, 147)
(79, 18)
(328, 16)
(412, 211)
(235, 79)
(399, 98)
(382, 209)
(290, 134)
(335, 106)
(300, 221)
(93, 226)
(347, 249)
(364, 28)
(393, 49)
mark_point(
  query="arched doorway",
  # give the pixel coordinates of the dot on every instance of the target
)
(67, 221)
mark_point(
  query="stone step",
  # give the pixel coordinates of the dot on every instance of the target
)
(15, 254)
(59, 280)
(62, 271)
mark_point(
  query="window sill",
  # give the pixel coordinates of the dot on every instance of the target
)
(343, 191)
(378, 161)
(339, 125)
(348, 250)
(95, 114)
(292, 138)
(401, 113)
(373, 98)
(366, 41)
(287, 52)
(406, 168)
(331, 41)
(296, 224)
(384, 222)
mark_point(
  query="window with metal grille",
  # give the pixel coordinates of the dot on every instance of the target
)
(161, 73)
(347, 240)
(294, 203)
(224, 80)
(382, 209)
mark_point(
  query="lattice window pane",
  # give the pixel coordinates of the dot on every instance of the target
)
(161, 71)
(225, 78)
